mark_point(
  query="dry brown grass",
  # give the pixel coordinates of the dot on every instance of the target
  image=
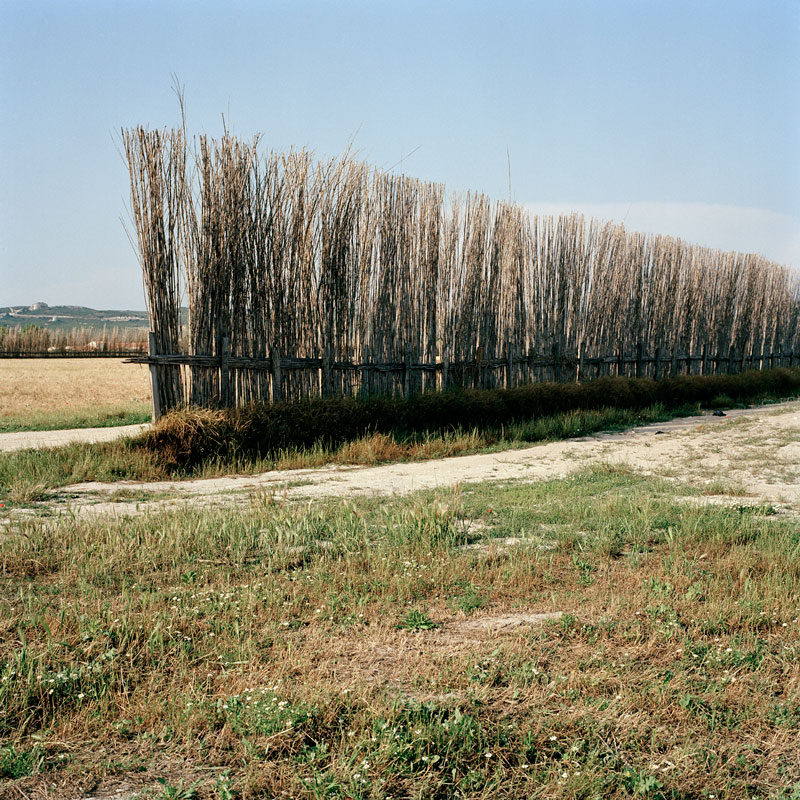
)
(38, 391)
(380, 448)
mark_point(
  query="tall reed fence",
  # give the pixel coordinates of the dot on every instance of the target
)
(305, 277)
(34, 341)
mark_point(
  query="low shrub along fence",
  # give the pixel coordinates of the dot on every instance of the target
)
(187, 438)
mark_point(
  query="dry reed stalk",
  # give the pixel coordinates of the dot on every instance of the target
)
(34, 339)
(159, 195)
(288, 257)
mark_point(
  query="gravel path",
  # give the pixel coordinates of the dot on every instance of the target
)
(757, 449)
(25, 440)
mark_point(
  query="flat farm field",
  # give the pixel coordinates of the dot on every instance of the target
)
(53, 393)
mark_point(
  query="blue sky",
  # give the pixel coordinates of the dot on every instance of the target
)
(679, 117)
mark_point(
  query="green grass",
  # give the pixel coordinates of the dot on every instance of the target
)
(322, 651)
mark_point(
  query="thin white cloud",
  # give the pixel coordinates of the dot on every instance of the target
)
(748, 230)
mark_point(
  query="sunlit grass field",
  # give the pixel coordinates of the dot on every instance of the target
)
(364, 649)
(55, 393)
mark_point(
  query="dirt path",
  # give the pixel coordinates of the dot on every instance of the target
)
(754, 452)
(25, 440)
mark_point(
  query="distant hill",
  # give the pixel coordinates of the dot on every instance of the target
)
(64, 318)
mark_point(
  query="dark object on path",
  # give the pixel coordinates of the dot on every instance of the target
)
(658, 432)
(719, 413)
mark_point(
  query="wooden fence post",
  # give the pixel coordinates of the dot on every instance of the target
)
(407, 374)
(224, 373)
(154, 388)
(639, 361)
(731, 357)
(445, 370)
(581, 357)
(657, 364)
(327, 388)
(277, 382)
(673, 366)
(509, 364)
(477, 369)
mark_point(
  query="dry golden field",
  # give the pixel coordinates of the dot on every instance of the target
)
(41, 393)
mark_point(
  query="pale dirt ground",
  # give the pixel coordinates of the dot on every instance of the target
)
(26, 440)
(65, 386)
(753, 453)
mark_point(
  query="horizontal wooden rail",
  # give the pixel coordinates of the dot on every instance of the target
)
(290, 363)
(213, 379)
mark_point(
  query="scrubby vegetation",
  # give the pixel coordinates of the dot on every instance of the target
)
(346, 650)
(37, 340)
